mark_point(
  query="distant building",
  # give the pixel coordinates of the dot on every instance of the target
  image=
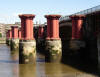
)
(8, 26)
(5, 27)
(18, 23)
(2, 29)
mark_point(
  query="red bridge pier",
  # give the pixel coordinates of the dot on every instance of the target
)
(76, 41)
(41, 39)
(8, 37)
(15, 40)
(53, 41)
(40, 32)
(27, 44)
(19, 33)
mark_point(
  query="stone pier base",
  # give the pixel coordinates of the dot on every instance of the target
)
(76, 44)
(14, 44)
(53, 50)
(27, 52)
(8, 41)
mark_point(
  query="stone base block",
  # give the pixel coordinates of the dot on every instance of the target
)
(53, 50)
(14, 44)
(76, 44)
(8, 41)
(27, 52)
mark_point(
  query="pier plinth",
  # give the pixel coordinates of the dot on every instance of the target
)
(53, 41)
(27, 44)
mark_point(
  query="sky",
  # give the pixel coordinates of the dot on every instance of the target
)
(10, 9)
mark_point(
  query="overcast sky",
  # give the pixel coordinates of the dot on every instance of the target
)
(9, 9)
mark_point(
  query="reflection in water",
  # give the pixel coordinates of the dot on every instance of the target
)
(42, 69)
(10, 68)
(50, 70)
(15, 56)
(27, 70)
(58, 70)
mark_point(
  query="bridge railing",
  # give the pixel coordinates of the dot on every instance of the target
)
(84, 12)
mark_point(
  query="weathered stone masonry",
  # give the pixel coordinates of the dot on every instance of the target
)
(27, 44)
(53, 41)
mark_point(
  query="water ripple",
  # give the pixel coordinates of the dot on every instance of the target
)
(8, 61)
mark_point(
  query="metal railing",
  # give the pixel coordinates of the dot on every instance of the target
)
(84, 12)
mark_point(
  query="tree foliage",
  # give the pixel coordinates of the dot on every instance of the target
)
(0, 34)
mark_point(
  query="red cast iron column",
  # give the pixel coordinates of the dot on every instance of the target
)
(77, 21)
(19, 33)
(52, 26)
(15, 32)
(27, 26)
(40, 32)
(7, 34)
(10, 34)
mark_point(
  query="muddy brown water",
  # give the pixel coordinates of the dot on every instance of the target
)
(9, 67)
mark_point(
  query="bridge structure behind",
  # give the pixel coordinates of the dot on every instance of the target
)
(90, 33)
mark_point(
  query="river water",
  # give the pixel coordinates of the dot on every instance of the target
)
(9, 67)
